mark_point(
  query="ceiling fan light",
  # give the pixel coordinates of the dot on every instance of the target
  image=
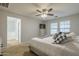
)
(43, 15)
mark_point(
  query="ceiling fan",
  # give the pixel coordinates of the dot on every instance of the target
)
(44, 12)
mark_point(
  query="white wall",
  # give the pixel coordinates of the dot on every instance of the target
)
(74, 21)
(3, 28)
(29, 26)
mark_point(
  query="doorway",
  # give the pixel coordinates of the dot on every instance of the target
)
(13, 31)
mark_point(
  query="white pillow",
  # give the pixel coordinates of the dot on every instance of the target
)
(76, 39)
(52, 34)
(72, 34)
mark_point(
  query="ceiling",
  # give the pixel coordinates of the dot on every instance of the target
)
(29, 9)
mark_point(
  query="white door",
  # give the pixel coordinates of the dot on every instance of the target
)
(13, 30)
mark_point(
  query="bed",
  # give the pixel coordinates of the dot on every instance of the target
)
(45, 47)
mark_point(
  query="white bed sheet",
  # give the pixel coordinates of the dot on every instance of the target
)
(45, 45)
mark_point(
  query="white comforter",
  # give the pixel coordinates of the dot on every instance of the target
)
(45, 45)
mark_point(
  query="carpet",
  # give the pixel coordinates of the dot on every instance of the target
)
(18, 50)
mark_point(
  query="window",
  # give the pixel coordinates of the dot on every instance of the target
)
(53, 28)
(65, 26)
(12, 21)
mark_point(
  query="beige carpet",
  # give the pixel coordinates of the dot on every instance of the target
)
(18, 50)
(12, 42)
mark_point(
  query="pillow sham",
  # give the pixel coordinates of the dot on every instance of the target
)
(72, 34)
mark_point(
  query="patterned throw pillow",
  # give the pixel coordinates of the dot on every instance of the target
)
(59, 37)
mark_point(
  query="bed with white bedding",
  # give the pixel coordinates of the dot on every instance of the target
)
(46, 47)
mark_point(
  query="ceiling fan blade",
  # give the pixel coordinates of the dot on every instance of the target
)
(50, 14)
(50, 9)
(37, 14)
(38, 11)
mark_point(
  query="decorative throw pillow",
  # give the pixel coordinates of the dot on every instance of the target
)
(56, 35)
(59, 37)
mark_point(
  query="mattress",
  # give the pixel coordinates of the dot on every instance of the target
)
(48, 48)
